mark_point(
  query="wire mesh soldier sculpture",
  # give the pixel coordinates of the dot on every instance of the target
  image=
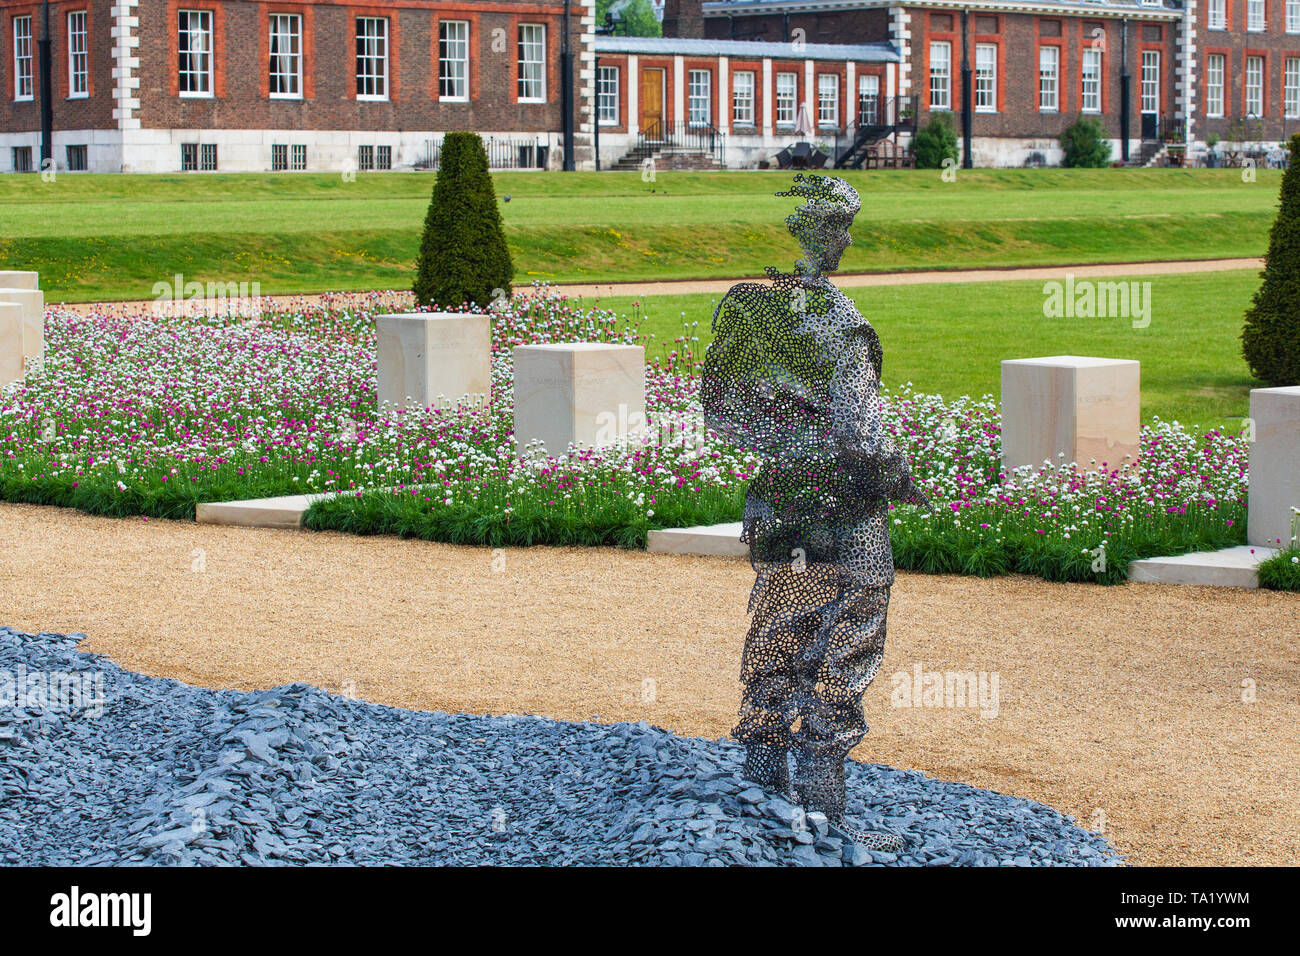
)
(793, 375)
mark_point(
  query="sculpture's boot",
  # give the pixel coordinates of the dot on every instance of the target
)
(820, 785)
(768, 766)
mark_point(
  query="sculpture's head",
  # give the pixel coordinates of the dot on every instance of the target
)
(821, 225)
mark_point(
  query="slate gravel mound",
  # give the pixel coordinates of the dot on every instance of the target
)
(159, 772)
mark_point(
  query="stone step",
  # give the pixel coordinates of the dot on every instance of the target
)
(721, 540)
(1230, 568)
(283, 512)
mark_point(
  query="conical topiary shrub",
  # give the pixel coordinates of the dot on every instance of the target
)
(463, 253)
(1271, 338)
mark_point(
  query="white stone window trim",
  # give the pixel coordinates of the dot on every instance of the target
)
(23, 42)
(988, 76)
(377, 53)
(453, 44)
(78, 76)
(940, 103)
(1049, 81)
(530, 39)
(294, 57)
(608, 80)
(198, 23)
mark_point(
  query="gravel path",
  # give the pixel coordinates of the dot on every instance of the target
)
(1164, 717)
(145, 770)
(597, 290)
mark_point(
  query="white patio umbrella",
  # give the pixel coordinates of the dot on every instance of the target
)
(803, 125)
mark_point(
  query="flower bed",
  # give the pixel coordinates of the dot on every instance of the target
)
(149, 415)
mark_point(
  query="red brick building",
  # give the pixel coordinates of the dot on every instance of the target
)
(1185, 68)
(246, 85)
(161, 85)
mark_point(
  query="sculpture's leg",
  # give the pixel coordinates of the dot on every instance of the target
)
(834, 671)
(767, 705)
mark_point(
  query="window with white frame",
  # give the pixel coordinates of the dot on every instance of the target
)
(1216, 15)
(607, 95)
(372, 58)
(1049, 79)
(828, 99)
(1255, 16)
(78, 57)
(742, 98)
(1150, 81)
(786, 99)
(699, 96)
(453, 60)
(1292, 16)
(986, 77)
(195, 45)
(1254, 86)
(23, 58)
(1291, 87)
(1214, 84)
(532, 63)
(286, 56)
(1090, 81)
(940, 75)
(869, 100)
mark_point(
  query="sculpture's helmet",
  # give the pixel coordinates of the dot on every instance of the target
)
(827, 197)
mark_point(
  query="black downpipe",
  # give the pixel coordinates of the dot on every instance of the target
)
(47, 98)
(595, 115)
(967, 160)
(1125, 90)
(566, 93)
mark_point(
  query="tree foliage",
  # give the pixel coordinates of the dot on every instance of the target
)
(463, 253)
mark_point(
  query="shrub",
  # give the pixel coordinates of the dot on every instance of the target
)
(463, 253)
(935, 142)
(1086, 145)
(1271, 337)
(1282, 571)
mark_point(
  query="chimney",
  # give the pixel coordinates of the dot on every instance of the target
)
(684, 18)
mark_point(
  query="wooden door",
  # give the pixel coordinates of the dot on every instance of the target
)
(652, 102)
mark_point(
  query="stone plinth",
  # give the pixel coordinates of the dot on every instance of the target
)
(434, 359)
(1274, 465)
(11, 343)
(19, 280)
(582, 393)
(32, 303)
(1087, 408)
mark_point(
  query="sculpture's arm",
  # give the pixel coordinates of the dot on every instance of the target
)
(756, 388)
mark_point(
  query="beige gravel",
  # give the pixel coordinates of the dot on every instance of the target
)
(1121, 706)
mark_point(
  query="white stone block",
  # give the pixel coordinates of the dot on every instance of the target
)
(19, 280)
(588, 394)
(11, 343)
(1274, 465)
(434, 359)
(1085, 408)
(32, 302)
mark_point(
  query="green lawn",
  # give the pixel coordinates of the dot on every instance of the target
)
(950, 338)
(105, 237)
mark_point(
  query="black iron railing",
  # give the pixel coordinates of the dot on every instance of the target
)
(504, 152)
(878, 119)
(661, 137)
